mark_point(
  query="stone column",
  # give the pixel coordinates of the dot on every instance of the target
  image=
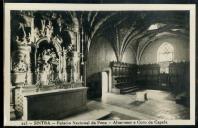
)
(60, 66)
(64, 65)
(85, 74)
(77, 55)
(28, 61)
(78, 40)
(83, 78)
(12, 110)
(76, 62)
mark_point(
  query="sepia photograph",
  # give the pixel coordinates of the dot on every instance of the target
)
(99, 64)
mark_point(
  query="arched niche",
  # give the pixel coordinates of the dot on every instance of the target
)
(48, 60)
(44, 45)
(53, 42)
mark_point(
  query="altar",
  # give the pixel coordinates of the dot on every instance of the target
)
(47, 68)
(54, 104)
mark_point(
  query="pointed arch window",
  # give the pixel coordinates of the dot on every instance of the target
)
(165, 55)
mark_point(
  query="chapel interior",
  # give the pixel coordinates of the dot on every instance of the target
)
(108, 65)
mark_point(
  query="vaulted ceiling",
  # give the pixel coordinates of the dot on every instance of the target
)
(134, 29)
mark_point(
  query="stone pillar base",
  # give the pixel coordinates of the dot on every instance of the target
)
(12, 112)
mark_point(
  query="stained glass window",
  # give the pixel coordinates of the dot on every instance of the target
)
(165, 52)
(165, 55)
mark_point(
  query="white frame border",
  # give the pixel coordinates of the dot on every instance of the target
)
(97, 7)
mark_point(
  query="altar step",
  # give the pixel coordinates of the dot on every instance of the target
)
(90, 115)
(126, 90)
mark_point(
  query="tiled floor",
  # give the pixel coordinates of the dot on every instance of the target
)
(160, 105)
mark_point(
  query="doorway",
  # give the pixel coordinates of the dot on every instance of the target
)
(106, 83)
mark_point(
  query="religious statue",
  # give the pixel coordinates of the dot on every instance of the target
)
(46, 55)
(46, 73)
(49, 64)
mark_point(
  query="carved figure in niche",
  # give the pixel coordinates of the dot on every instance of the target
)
(46, 73)
(46, 55)
(49, 30)
(21, 66)
(49, 64)
(54, 64)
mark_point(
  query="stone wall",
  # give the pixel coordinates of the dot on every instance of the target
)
(181, 50)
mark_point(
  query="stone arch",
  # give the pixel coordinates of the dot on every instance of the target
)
(55, 43)
(147, 43)
(141, 50)
(96, 28)
(132, 50)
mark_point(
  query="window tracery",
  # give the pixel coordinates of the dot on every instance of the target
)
(165, 55)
